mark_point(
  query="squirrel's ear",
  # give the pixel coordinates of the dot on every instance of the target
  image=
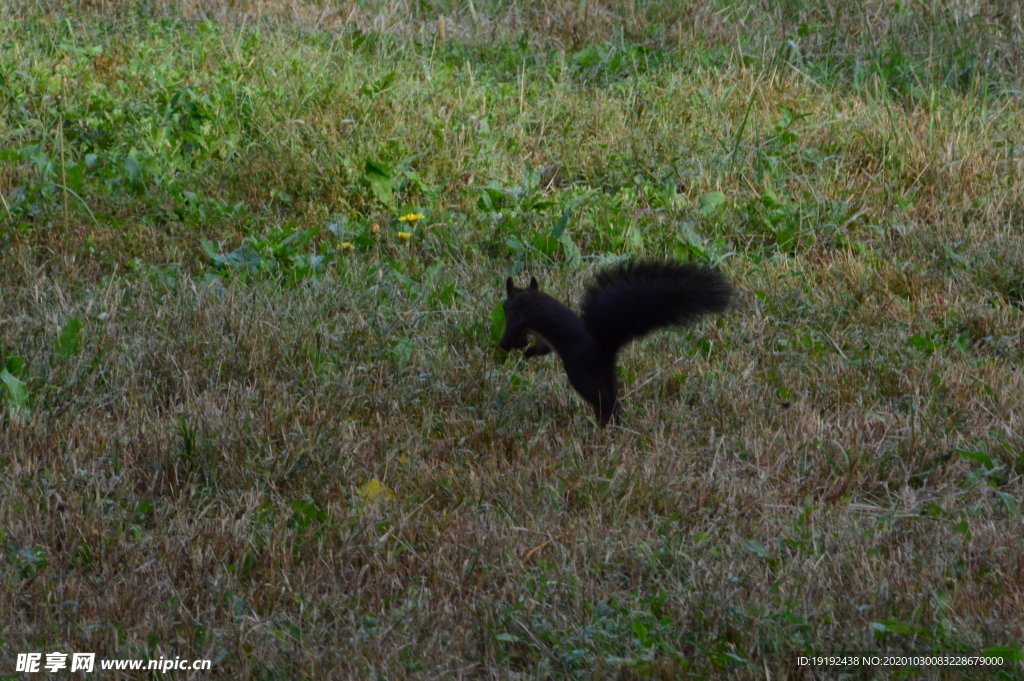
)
(510, 288)
(533, 284)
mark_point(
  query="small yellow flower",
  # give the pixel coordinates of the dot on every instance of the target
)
(348, 247)
(412, 217)
(404, 236)
(375, 490)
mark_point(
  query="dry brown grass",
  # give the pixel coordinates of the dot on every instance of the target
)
(199, 478)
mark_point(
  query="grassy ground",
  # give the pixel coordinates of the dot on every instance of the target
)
(250, 416)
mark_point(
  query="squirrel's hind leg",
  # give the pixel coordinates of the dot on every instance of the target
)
(595, 382)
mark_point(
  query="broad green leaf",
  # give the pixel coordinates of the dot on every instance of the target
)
(69, 343)
(133, 171)
(498, 322)
(16, 365)
(640, 632)
(305, 512)
(17, 391)
(755, 548)
(378, 176)
(75, 177)
(981, 457)
(546, 244)
(710, 202)
(569, 248)
(925, 345)
(893, 626)
(1010, 502)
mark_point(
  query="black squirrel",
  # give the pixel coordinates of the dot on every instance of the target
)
(624, 302)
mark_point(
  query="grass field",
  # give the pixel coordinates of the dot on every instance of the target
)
(250, 416)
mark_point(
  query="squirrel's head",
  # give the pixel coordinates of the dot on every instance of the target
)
(516, 303)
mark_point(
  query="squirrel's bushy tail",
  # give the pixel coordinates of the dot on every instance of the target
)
(635, 298)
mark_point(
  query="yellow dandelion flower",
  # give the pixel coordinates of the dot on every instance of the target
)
(348, 247)
(404, 236)
(412, 217)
